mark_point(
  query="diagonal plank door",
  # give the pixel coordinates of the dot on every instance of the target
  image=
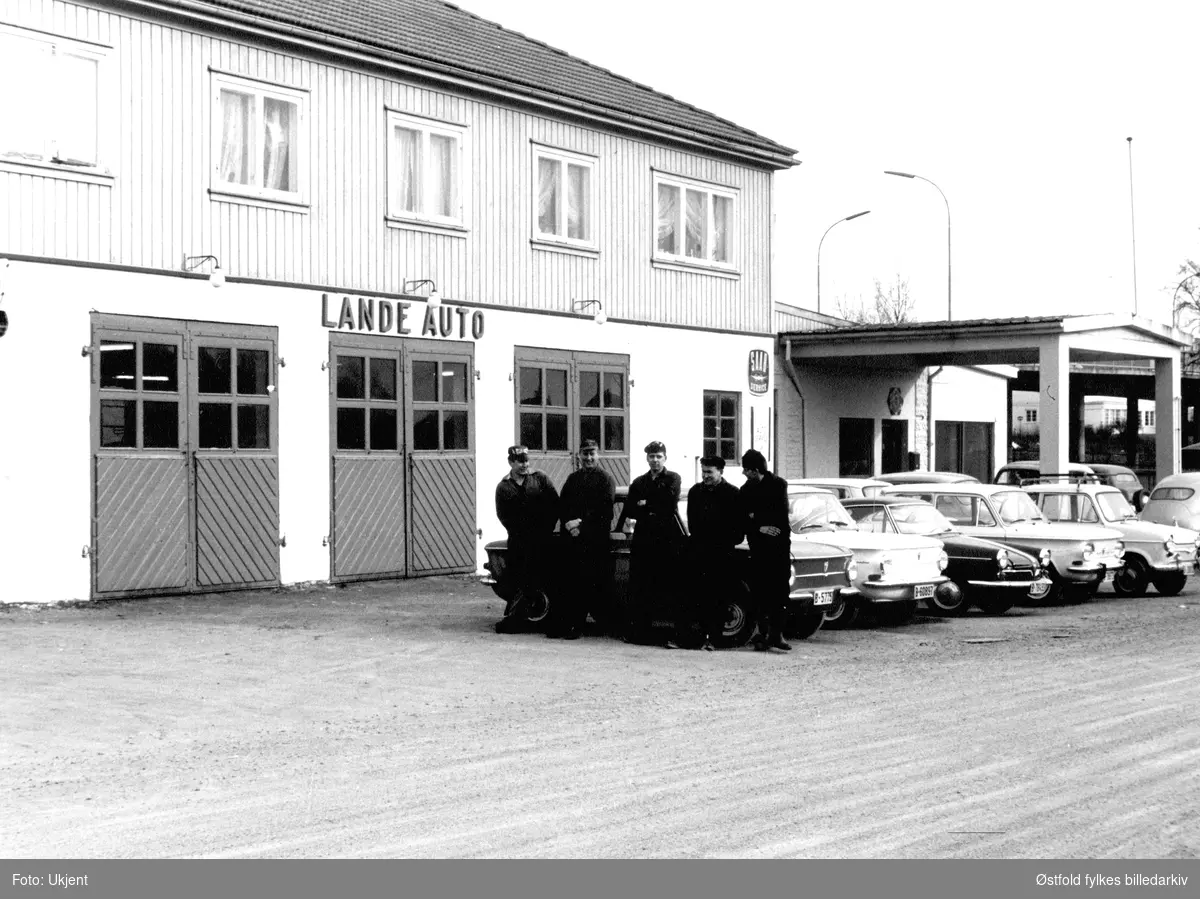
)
(141, 531)
(237, 520)
(368, 516)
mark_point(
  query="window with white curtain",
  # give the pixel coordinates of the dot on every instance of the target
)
(425, 170)
(564, 186)
(259, 139)
(694, 222)
(50, 99)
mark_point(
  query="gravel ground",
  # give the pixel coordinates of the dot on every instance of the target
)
(388, 720)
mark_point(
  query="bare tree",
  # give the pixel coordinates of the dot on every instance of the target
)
(1186, 303)
(890, 307)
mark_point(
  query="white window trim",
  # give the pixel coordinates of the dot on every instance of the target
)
(461, 200)
(226, 190)
(48, 162)
(563, 157)
(685, 184)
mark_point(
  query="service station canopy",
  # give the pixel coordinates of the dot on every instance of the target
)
(1051, 342)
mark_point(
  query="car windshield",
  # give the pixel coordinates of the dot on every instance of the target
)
(1115, 506)
(920, 518)
(807, 511)
(1013, 506)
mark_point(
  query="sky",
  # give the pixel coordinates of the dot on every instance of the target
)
(1018, 112)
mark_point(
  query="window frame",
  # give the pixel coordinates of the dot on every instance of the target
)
(49, 159)
(718, 395)
(683, 185)
(564, 158)
(260, 91)
(427, 127)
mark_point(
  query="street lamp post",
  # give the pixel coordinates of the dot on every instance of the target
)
(827, 230)
(949, 306)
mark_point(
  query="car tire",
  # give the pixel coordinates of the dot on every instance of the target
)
(942, 602)
(739, 619)
(801, 627)
(843, 614)
(529, 605)
(1170, 584)
(895, 614)
(1133, 578)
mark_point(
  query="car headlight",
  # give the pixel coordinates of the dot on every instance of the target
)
(943, 561)
(1044, 558)
(885, 566)
(852, 570)
(791, 576)
(1089, 550)
(1119, 549)
(1003, 560)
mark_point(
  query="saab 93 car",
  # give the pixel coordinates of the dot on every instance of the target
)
(843, 488)
(1175, 500)
(1157, 554)
(989, 575)
(928, 477)
(1081, 555)
(820, 573)
(895, 571)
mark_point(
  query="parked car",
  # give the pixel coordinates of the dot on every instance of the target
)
(1019, 474)
(843, 488)
(928, 477)
(1175, 500)
(989, 575)
(895, 571)
(1081, 555)
(820, 573)
(1154, 553)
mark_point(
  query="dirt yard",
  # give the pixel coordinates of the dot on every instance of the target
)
(389, 720)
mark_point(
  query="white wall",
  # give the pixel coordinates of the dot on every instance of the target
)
(972, 394)
(45, 419)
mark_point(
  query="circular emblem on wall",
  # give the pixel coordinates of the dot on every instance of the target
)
(895, 400)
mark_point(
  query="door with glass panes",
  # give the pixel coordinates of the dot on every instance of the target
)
(185, 465)
(564, 397)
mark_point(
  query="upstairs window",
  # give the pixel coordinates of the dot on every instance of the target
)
(259, 139)
(425, 170)
(564, 197)
(50, 102)
(694, 222)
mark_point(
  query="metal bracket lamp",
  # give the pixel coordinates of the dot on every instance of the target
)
(435, 298)
(216, 278)
(579, 305)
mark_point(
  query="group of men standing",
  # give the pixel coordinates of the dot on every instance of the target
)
(663, 570)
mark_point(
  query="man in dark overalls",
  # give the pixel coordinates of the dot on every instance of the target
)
(715, 527)
(649, 514)
(527, 506)
(586, 512)
(765, 513)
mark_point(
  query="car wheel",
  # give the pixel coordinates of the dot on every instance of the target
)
(738, 619)
(948, 599)
(995, 606)
(1055, 594)
(529, 605)
(1132, 579)
(801, 627)
(895, 614)
(1171, 583)
(843, 614)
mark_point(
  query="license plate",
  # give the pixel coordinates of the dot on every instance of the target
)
(923, 591)
(822, 597)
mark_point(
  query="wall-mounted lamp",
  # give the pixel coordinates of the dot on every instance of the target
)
(435, 298)
(579, 305)
(191, 263)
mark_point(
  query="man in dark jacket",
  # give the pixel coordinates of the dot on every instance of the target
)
(715, 527)
(586, 512)
(649, 514)
(527, 506)
(765, 513)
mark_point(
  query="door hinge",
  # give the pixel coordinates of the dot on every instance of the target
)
(87, 551)
(283, 541)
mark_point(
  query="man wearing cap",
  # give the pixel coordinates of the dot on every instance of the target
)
(527, 506)
(764, 508)
(586, 512)
(649, 514)
(714, 529)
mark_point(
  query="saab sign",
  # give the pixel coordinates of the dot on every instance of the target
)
(759, 371)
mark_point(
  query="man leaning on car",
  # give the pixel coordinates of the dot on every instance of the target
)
(527, 506)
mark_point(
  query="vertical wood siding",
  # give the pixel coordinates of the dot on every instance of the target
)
(157, 206)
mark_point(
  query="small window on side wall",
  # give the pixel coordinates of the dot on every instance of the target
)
(426, 170)
(564, 185)
(721, 432)
(694, 222)
(259, 139)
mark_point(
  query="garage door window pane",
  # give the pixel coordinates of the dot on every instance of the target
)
(531, 386)
(252, 373)
(160, 367)
(352, 429)
(160, 425)
(254, 425)
(117, 365)
(383, 379)
(556, 432)
(350, 377)
(589, 427)
(614, 390)
(556, 387)
(454, 430)
(614, 434)
(118, 423)
(383, 429)
(425, 382)
(216, 426)
(425, 430)
(213, 369)
(531, 430)
(589, 389)
(454, 382)
(728, 406)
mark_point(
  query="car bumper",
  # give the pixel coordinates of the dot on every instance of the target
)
(1090, 572)
(1187, 566)
(880, 591)
(810, 599)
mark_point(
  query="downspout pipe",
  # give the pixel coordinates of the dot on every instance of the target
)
(794, 377)
(929, 418)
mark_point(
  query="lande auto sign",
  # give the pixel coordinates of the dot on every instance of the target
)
(759, 372)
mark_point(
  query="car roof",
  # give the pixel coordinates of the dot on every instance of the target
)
(930, 477)
(884, 499)
(840, 482)
(1076, 487)
(1035, 465)
(1182, 479)
(968, 487)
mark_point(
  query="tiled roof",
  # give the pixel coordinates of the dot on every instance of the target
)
(442, 38)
